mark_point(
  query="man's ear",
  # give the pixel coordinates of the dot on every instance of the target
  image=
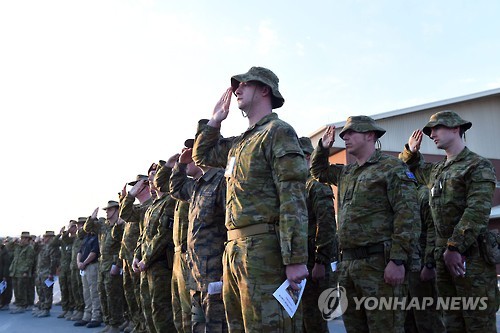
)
(266, 90)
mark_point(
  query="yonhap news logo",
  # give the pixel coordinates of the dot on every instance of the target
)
(332, 303)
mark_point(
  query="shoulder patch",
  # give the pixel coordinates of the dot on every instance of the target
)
(410, 175)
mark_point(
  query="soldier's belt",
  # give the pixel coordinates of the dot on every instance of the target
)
(362, 252)
(251, 230)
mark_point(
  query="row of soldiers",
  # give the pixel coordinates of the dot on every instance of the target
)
(205, 238)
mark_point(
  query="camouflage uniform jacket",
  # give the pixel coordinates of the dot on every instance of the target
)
(181, 222)
(64, 243)
(207, 232)
(377, 202)
(133, 214)
(266, 175)
(156, 235)
(109, 246)
(461, 195)
(48, 261)
(427, 237)
(322, 226)
(77, 244)
(23, 260)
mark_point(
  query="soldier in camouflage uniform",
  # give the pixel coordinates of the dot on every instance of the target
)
(181, 273)
(422, 275)
(21, 270)
(5, 261)
(47, 264)
(66, 244)
(134, 214)
(76, 279)
(206, 192)
(377, 208)
(321, 246)
(110, 282)
(462, 187)
(266, 213)
(154, 256)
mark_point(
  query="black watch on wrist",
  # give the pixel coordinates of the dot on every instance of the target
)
(398, 262)
(452, 248)
(430, 265)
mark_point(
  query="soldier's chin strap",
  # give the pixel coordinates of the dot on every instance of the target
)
(378, 145)
(244, 113)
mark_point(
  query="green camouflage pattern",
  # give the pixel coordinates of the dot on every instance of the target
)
(361, 124)
(429, 319)
(448, 119)
(181, 300)
(23, 261)
(264, 76)
(267, 183)
(47, 263)
(207, 232)
(109, 244)
(377, 202)
(205, 240)
(76, 279)
(460, 201)
(132, 214)
(321, 248)
(66, 246)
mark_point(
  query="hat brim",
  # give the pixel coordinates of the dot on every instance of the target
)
(428, 128)
(277, 99)
(379, 132)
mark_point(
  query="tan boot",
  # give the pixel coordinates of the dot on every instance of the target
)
(62, 314)
(43, 314)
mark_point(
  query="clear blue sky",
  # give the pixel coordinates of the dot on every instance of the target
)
(92, 92)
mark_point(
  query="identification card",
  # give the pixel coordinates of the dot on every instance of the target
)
(230, 166)
(215, 287)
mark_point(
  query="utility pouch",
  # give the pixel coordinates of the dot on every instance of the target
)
(489, 246)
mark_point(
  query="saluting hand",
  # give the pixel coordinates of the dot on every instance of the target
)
(171, 161)
(94, 213)
(221, 109)
(137, 187)
(415, 140)
(186, 156)
(328, 137)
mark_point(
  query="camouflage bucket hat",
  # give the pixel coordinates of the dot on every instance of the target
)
(361, 124)
(25, 234)
(306, 145)
(49, 233)
(264, 76)
(111, 204)
(137, 178)
(81, 220)
(448, 119)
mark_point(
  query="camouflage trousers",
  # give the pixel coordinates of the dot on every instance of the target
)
(208, 313)
(67, 302)
(253, 270)
(365, 278)
(480, 282)
(45, 294)
(31, 290)
(181, 300)
(313, 321)
(429, 319)
(77, 290)
(132, 292)
(146, 304)
(160, 290)
(21, 285)
(111, 296)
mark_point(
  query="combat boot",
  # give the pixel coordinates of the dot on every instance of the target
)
(78, 316)
(69, 315)
(105, 329)
(62, 314)
(113, 329)
(124, 325)
(18, 309)
(43, 314)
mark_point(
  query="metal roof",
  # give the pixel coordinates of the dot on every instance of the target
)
(418, 108)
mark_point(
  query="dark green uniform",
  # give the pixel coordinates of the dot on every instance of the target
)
(21, 270)
(66, 245)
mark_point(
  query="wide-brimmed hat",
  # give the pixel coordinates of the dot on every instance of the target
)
(361, 124)
(306, 145)
(137, 178)
(25, 234)
(49, 233)
(111, 204)
(81, 220)
(446, 118)
(189, 143)
(264, 76)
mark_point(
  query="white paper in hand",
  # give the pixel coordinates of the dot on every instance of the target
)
(289, 298)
